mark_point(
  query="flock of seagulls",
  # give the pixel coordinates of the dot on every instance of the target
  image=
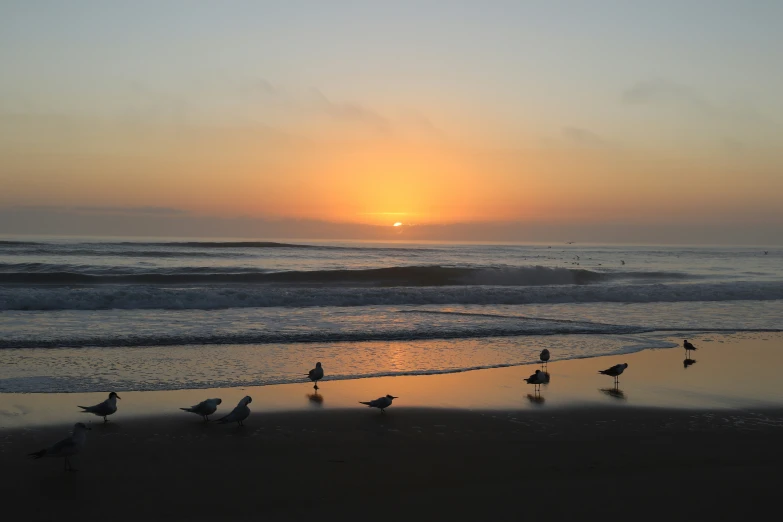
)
(542, 376)
(73, 444)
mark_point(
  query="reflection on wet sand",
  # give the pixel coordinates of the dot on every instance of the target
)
(315, 399)
(688, 362)
(617, 393)
(536, 399)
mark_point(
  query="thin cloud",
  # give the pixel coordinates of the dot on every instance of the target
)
(350, 112)
(583, 137)
(150, 211)
(664, 93)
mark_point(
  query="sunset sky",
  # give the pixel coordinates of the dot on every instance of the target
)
(604, 120)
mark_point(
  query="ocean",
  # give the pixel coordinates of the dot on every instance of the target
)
(96, 314)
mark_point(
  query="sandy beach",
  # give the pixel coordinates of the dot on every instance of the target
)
(677, 442)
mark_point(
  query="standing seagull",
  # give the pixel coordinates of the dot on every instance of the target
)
(103, 409)
(381, 402)
(238, 414)
(537, 379)
(65, 448)
(615, 372)
(316, 374)
(544, 357)
(204, 408)
(688, 347)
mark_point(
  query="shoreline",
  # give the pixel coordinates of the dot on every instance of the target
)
(655, 378)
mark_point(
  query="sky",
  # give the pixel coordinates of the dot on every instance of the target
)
(604, 121)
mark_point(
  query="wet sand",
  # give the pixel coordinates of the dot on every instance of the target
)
(731, 371)
(680, 443)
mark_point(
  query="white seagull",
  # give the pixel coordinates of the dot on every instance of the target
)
(103, 409)
(688, 346)
(204, 408)
(238, 414)
(67, 447)
(381, 402)
(537, 379)
(615, 371)
(316, 374)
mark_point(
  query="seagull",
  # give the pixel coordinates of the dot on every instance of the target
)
(615, 371)
(537, 379)
(381, 402)
(622, 262)
(67, 447)
(544, 357)
(105, 408)
(238, 414)
(688, 346)
(204, 408)
(316, 374)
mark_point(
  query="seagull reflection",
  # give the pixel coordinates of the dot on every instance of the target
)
(536, 399)
(615, 392)
(315, 399)
(688, 362)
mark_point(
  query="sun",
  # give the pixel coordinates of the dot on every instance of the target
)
(398, 224)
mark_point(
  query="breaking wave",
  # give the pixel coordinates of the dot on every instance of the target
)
(104, 297)
(42, 273)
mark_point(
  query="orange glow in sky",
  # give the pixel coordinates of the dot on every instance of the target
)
(298, 122)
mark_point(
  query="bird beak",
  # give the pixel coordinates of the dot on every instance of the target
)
(393, 397)
(119, 397)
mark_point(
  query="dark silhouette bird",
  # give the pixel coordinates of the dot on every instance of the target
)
(382, 402)
(66, 448)
(537, 379)
(104, 409)
(615, 371)
(316, 374)
(544, 357)
(688, 347)
(204, 408)
(238, 414)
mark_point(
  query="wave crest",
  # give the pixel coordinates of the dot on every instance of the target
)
(222, 297)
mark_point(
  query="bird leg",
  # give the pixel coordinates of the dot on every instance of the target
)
(105, 419)
(315, 386)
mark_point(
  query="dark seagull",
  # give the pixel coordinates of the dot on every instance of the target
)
(615, 371)
(66, 448)
(104, 409)
(537, 379)
(316, 374)
(381, 402)
(238, 414)
(544, 357)
(204, 408)
(688, 347)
